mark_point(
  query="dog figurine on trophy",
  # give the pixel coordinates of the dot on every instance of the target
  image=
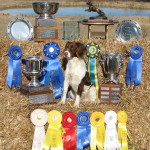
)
(101, 14)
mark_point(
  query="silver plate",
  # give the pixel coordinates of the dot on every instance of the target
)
(128, 30)
(20, 29)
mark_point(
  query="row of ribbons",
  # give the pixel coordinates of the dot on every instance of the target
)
(75, 132)
(53, 71)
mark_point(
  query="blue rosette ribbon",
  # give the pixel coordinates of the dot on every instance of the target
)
(83, 130)
(14, 74)
(53, 71)
(134, 67)
(93, 50)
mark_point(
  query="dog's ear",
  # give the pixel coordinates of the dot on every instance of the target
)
(64, 63)
(81, 50)
(67, 44)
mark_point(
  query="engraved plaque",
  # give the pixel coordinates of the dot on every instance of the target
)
(40, 99)
(47, 23)
(35, 89)
(110, 93)
(47, 33)
(38, 95)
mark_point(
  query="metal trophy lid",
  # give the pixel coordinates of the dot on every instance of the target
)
(20, 29)
(128, 30)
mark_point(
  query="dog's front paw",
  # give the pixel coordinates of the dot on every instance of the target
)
(76, 104)
(63, 101)
(97, 101)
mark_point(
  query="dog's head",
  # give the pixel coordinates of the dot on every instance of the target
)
(74, 49)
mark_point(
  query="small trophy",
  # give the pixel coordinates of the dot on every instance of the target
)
(37, 92)
(45, 25)
(111, 90)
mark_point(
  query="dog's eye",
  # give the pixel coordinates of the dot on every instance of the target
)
(72, 47)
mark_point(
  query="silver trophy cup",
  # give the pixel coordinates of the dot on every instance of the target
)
(34, 68)
(45, 9)
(111, 63)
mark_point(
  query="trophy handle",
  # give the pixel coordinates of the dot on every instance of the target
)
(23, 60)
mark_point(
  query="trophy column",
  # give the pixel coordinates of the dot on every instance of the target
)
(45, 29)
(111, 89)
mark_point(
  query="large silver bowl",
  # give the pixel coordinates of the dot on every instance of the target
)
(45, 9)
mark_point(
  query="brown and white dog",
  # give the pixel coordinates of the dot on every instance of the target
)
(77, 81)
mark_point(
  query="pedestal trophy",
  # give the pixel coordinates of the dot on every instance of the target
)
(101, 15)
(37, 92)
(111, 90)
(45, 25)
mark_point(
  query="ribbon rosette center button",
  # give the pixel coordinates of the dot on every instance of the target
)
(51, 49)
(15, 52)
(136, 51)
(54, 117)
(69, 119)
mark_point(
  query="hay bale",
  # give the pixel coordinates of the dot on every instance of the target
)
(15, 109)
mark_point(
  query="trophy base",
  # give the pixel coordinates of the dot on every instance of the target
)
(38, 95)
(97, 20)
(99, 17)
(45, 30)
(110, 93)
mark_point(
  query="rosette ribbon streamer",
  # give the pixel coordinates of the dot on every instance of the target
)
(53, 138)
(122, 129)
(14, 75)
(97, 131)
(69, 137)
(111, 137)
(93, 50)
(39, 118)
(83, 130)
(134, 67)
(53, 71)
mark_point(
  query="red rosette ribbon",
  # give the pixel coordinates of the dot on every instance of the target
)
(69, 137)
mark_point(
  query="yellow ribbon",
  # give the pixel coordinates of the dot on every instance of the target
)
(97, 130)
(122, 130)
(54, 132)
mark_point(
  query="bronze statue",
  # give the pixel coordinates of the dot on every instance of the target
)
(94, 9)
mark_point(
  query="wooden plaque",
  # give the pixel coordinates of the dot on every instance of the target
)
(46, 33)
(46, 30)
(110, 93)
(38, 95)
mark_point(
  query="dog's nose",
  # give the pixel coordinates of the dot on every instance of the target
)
(66, 53)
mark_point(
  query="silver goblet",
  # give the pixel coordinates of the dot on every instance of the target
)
(34, 68)
(111, 63)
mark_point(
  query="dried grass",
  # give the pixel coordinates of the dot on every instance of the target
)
(16, 129)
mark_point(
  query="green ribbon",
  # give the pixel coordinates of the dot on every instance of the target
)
(93, 50)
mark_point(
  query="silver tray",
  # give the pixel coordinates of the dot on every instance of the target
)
(128, 30)
(20, 29)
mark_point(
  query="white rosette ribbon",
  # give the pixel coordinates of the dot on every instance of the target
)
(39, 118)
(111, 137)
